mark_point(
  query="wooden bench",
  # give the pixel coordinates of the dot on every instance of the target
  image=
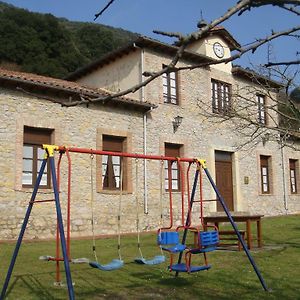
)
(230, 235)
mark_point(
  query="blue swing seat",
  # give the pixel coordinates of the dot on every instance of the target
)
(113, 265)
(156, 260)
(170, 238)
(184, 268)
(209, 240)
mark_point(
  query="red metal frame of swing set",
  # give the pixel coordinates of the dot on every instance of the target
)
(67, 150)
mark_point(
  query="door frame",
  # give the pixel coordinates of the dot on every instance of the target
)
(228, 158)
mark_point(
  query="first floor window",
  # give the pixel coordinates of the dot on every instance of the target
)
(265, 174)
(172, 150)
(261, 107)
(33, 155)
(293, 175)
(220, 97)
(170, 87)
(112, 165)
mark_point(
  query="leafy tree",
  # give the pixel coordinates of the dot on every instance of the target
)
(44, 44)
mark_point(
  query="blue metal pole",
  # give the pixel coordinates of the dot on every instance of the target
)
(221, 199)
(23, 228)
(61, 230)
(188, 216)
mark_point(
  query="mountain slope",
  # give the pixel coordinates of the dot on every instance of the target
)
(46, 45)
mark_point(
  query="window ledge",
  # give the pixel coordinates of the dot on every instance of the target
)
(30, 190)
(173, 104)
(261, 194)
(108, 192)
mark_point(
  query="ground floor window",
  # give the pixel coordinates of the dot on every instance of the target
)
(112, 165)
(293, 175)
(172, 150)
(33, 155)
(265, 168)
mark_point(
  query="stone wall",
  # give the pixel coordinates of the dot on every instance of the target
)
(83, 126)
(78, 126)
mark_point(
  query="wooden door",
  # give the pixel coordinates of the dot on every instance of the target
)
(224, 180)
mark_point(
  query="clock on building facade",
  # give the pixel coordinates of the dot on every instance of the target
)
(218, 49)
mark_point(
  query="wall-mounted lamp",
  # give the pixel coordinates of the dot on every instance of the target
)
(176, 123)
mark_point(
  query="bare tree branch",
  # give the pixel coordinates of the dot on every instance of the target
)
(104, 9)
(177, 35)
(240, 7)
(259, 3)
(285, 63)
(252, 47)
(291, 9)
(178, 55)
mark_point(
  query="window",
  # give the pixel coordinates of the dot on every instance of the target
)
(221, 98)
(293, 175)
(265, 174)
(172, 150)
(261, 107)
(33, 155)
(111, 165)
(170, 87)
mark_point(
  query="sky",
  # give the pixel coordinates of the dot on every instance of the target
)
(144, 16)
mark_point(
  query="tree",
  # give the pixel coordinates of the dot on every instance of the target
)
(261, 112)
(245, 115)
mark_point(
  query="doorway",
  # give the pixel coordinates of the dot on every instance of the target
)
(224, 181)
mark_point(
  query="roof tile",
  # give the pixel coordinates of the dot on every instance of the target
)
(62, 84)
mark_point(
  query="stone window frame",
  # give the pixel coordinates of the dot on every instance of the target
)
(175, 150)
(171, 139)
(293, 176)
(221, 101)
(261, 109)
(33, 122)
(265, 163)
(34, 137)
(170, 97)
(113, 165)
(127, 175)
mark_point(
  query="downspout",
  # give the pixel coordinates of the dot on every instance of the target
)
(144, 131)
(285, 200)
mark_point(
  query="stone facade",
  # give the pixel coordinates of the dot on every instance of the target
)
(201, 137)
(83, 126)
(73, 126)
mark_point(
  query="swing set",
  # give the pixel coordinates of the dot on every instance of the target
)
(204, 240)
(168, 238)
(115, 263)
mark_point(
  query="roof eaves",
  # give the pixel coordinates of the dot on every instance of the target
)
(76, 90)
(141, 42)
(224, 33)
(251, 74)
(101, 61)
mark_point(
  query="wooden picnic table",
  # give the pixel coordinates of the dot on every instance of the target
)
(247, 219)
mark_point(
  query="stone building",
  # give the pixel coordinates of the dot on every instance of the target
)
(166, 117)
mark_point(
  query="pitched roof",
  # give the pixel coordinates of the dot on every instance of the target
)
(140, 42)
(69, 87)
(221, 31)
(253, 76)
(159, 46)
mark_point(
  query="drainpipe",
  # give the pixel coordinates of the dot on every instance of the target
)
(144, 131)
(285, 200)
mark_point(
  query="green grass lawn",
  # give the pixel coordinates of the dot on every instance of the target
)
(231, 275)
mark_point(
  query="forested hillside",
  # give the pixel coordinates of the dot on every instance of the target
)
(46, 45)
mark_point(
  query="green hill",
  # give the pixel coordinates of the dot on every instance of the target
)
(46, 45)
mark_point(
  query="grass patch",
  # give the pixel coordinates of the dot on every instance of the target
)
(231, 276)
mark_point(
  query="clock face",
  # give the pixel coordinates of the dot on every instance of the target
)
(218, 50)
